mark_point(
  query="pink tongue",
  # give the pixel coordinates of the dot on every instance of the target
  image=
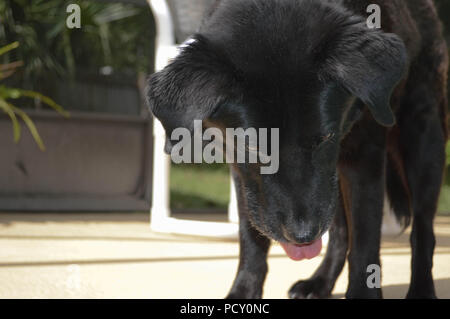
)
(303, 252)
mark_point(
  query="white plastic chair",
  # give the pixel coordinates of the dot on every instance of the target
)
(161, 220)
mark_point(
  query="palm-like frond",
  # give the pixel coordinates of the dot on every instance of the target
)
(9, 47)
(13, 93)
(6, 107)
(8, 93)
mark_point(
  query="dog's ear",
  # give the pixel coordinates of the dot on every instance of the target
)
(369, 64)
(191, 87)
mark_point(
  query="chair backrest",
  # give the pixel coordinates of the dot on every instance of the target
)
(187, 16)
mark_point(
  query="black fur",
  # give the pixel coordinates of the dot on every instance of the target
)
(360, 111)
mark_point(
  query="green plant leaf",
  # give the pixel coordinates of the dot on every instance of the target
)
(6, 107)
(45, 99)
(9, 93)
(9, 47)
(29, 123)
(13, 93)
(114, 12)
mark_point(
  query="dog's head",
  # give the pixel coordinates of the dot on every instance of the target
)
(300, 66)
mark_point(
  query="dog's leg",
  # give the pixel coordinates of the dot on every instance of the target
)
(321, 284)
(252, 269)
(364, 176)
(424, 163)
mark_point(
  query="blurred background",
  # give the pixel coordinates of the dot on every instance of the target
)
(99, 158)
(76, 137)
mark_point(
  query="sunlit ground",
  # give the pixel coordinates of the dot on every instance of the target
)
(117, 256)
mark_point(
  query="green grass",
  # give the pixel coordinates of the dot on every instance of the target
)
(208, 187)
(194, 186)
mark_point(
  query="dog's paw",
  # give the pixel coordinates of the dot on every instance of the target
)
(310, 289)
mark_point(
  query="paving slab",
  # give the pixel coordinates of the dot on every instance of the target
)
(118, 256)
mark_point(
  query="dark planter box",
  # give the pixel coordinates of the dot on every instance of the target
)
(93, 162)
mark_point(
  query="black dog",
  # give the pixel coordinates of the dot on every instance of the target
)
(362, 115)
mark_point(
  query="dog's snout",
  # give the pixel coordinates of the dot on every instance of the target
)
(303, 233)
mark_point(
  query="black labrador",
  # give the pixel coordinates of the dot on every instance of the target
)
(361, 113)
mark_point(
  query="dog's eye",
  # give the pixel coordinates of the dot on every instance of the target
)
(313, 143)
(327, 137)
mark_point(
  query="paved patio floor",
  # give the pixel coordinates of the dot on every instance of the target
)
(117, 256)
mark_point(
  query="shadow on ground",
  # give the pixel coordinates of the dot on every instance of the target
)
(400, 291)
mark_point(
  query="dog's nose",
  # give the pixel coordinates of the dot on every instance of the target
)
(300, 235)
